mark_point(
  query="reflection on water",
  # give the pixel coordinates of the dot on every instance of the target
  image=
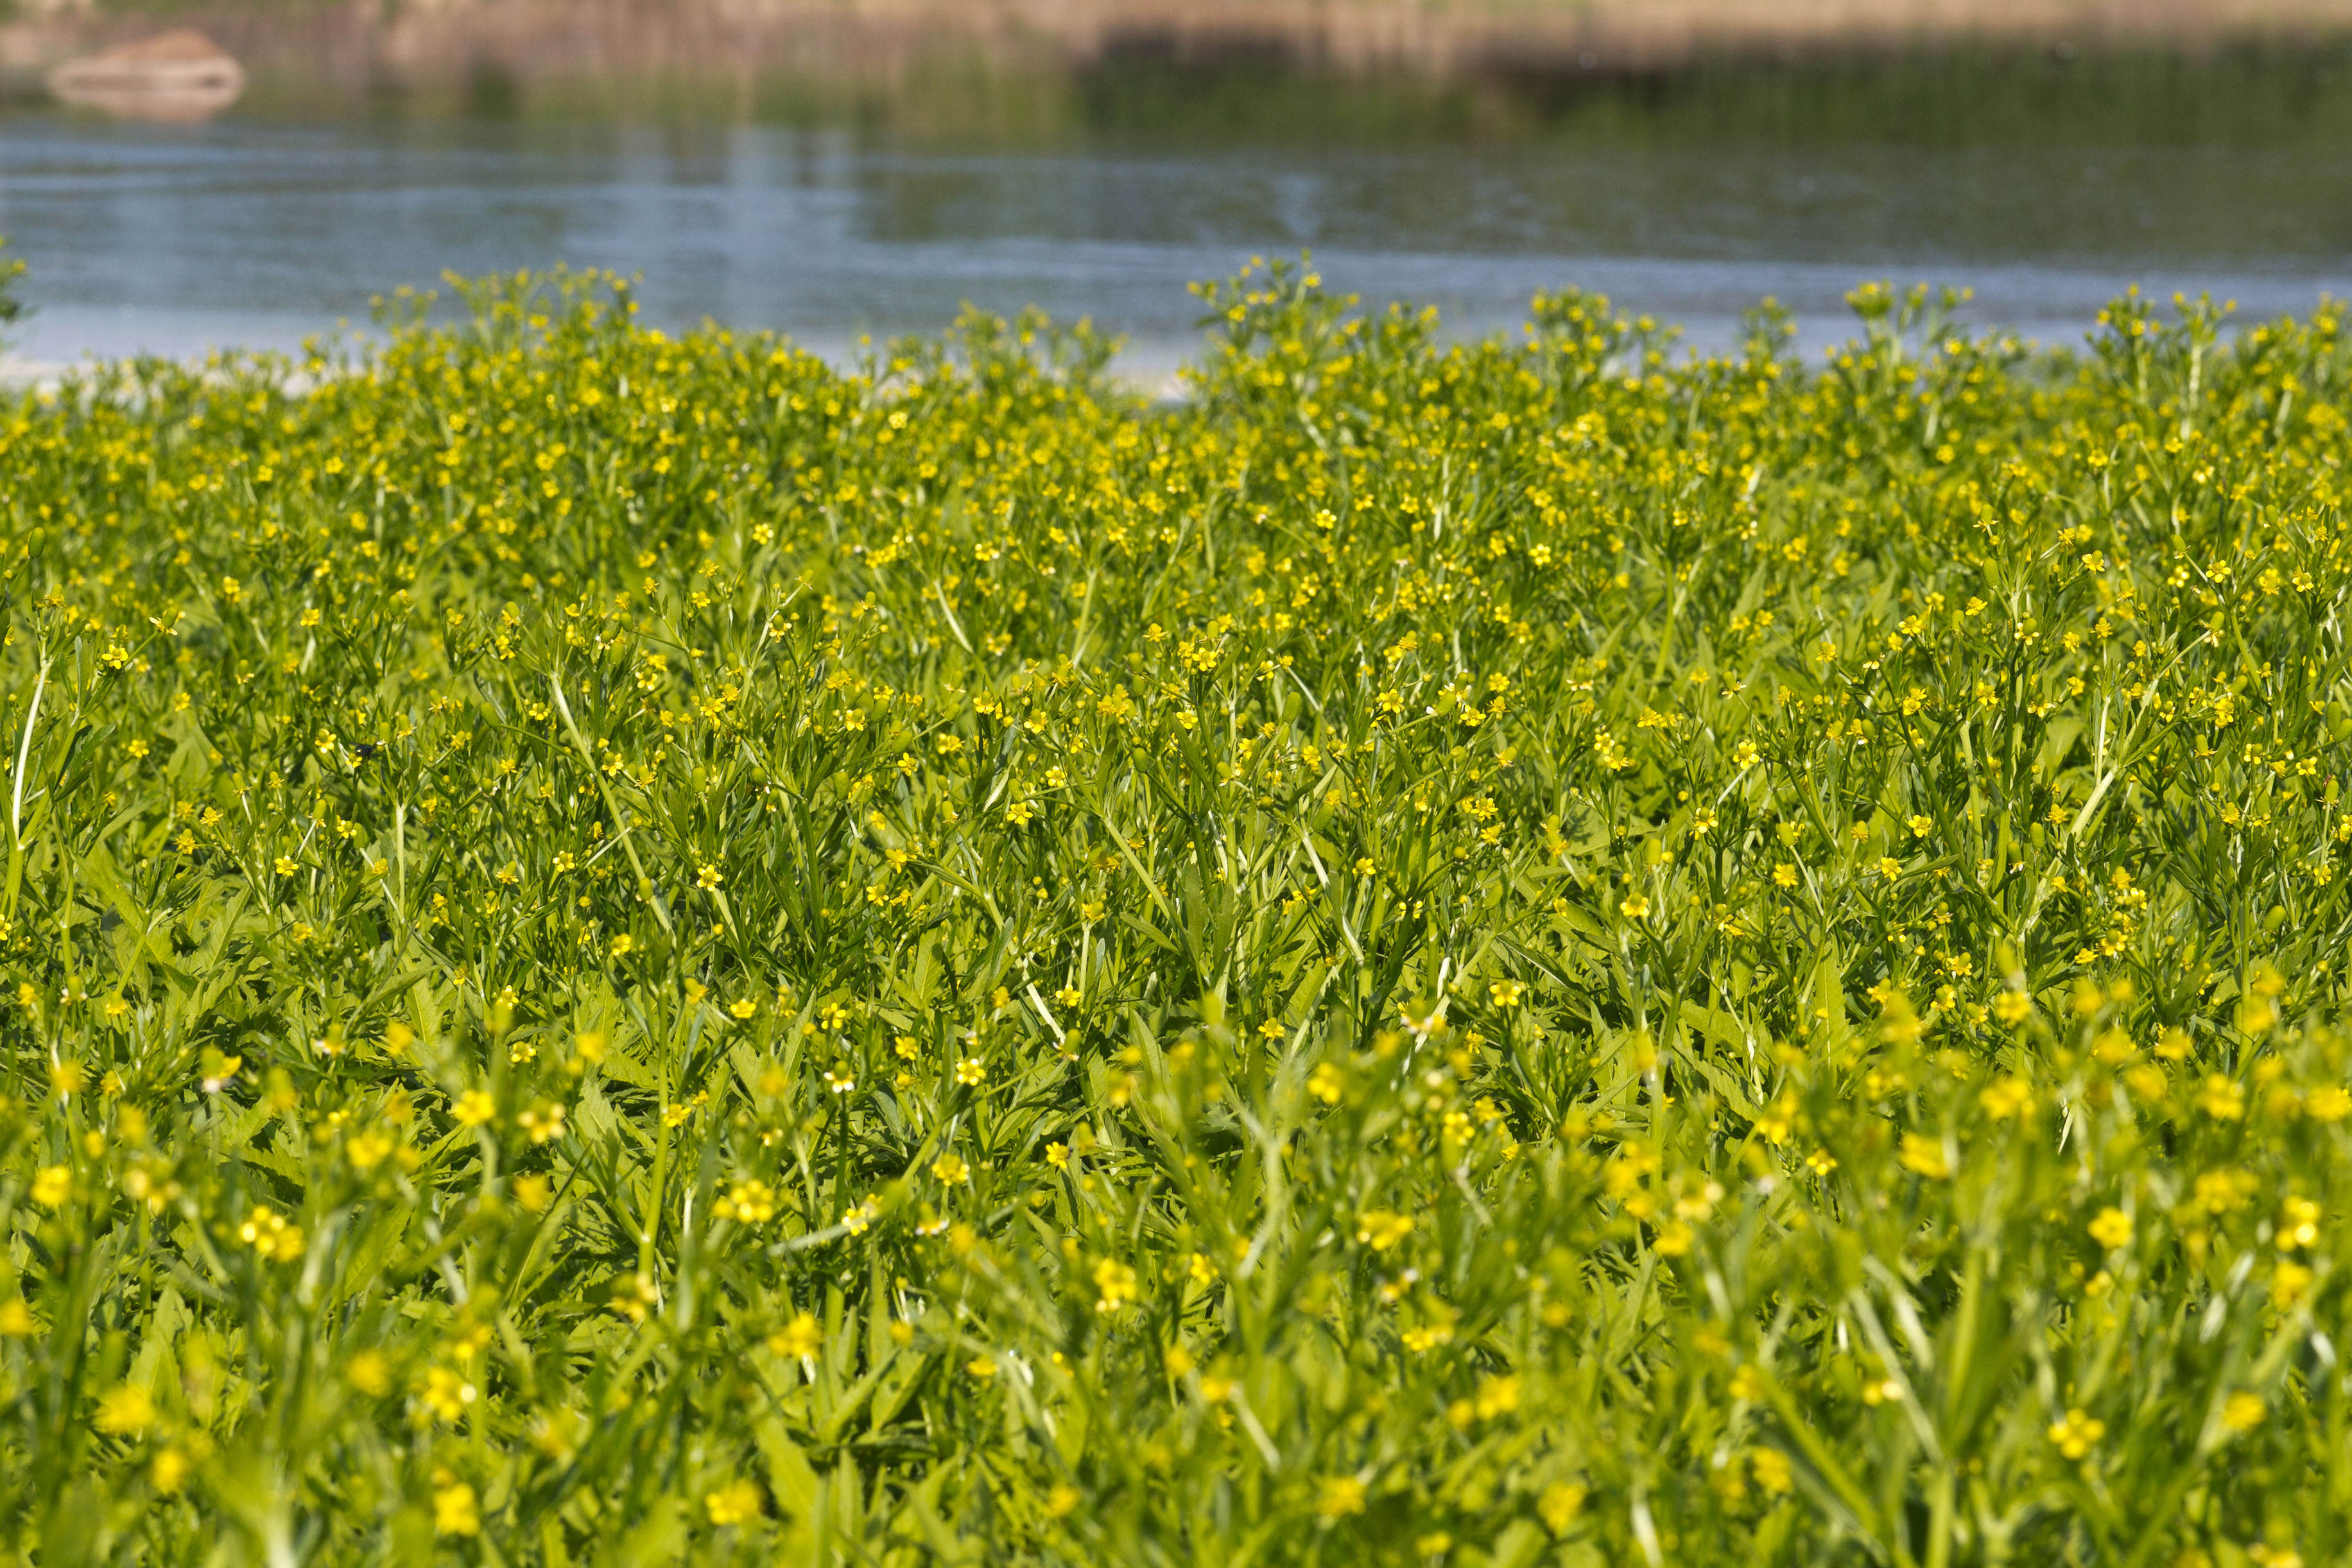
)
(257, 230)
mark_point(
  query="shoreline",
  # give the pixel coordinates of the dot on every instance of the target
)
(528, 43)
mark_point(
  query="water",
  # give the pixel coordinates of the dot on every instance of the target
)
(256, 230)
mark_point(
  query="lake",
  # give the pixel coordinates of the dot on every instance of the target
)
(1685, 197)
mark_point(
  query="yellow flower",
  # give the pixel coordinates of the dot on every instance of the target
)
(2112, 1230)
(170, 1472)
(1560, 1503)
(950, 1169)
(51, 1183)
(1921, 826)
(707, 878)
(971, 1072)
(753, 1202)
(2244, 1412)
(1381, 1229)
(980, 1367)
(798, 1339)
(446, 1395)
(271, 1235)
(2077, 1434)
(2221, 1098)
(1924, 1155)
(2012, 1008)
(475, 1108)
(1635, 907)
(736, 1503)
(2007, 1098)
(369, 1372)
(2298, 1224)
(125, 1411)
(16, 1320)
(1115, 1284)
(286, 866)
(2288, 1283)
(1336, 1497)
(1770, 1467)
(1506, 993)
(456, 1511)
(744, 1009)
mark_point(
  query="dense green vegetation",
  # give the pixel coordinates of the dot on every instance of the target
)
(623, 947)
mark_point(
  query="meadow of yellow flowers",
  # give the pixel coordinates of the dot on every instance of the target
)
(625, 949)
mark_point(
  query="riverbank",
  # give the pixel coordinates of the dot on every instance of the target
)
(484, 47)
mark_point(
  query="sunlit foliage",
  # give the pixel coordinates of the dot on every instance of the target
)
(621, 948)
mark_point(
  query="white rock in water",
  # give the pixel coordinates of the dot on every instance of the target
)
(178, 75)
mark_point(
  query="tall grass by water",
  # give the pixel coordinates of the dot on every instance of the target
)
(624, 947)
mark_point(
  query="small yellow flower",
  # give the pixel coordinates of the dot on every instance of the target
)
(971, 1072)
(446, 1395)
(369, 1373)
(16, 1320)
(286, 866)
(1560, 1503)
(51, 1183)
(1116, 1285)
(2244, 1412)
(2012, 1008)
(1506, 993)
(475, 1108)
(1635, 907)
(170, 1472)
(980, 1367)
(2112, 1230)
(735, 1504)
(798, 1339)
(2077, 1434)
(1921, 827)
(456, 1511)
(1924, 1155)
(2004, 1099)
(707, 878)
(744, 1009)
(2221, 1098)
(125, 1411)
(2288, 1283)
(1336, 1497)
